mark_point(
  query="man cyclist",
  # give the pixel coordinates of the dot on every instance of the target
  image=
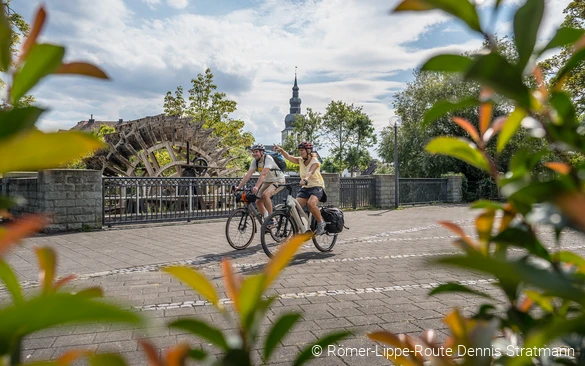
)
(268, 181)
(312, 182)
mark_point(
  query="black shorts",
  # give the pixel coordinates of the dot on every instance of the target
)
(307, 192)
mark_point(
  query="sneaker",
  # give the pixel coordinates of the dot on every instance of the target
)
(320, 228)
(269, 225)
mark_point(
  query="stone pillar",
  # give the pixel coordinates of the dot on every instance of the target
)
(72, 198)
(454, 189)
(384, 190)
(332, 188)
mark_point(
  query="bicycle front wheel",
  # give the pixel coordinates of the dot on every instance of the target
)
(240, 228)
(276, 229)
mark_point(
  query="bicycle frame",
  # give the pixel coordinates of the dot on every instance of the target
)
(297, 213)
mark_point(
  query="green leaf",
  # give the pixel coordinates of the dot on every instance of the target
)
(9, 202)
(543, 301)
(18, 119)
(443, 107)
(5, 39)
(515, 272)
(447, 63)
(574, 61)
(522, 238)
(307, 353)
(196, 281)
(570, 257)
(42, 60)
(461, 9)
(564, 107)
(496, 73)
(47, 267)
(526, 23)
(56, 309)
(458, 148)
(203, 330)
(280, 328)
(250, 297)
(563, 37)
(36, 150)
(197, 354)
(487, 204)
(107, 359)
(255, 318)
(510, 127)
(11, 282)
(456, 287)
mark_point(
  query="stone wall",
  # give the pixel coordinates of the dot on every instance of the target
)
(332, 188)
(454, 189)
(72, 198)
(385, 190)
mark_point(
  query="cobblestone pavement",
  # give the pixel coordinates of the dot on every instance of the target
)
(377, 277)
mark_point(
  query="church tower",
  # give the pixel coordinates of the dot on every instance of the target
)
(295, 112)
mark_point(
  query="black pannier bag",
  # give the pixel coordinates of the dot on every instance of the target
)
(334, 219)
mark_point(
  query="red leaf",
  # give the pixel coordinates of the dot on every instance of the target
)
(558, 167)
(467, 126)
(82, 68)
(34, 33)
(20, 229)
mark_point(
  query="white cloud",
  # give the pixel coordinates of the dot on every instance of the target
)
(178, 4)
(345, 50)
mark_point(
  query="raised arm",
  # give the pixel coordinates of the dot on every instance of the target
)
(286, 155)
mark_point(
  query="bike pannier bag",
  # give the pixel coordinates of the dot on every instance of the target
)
(334, 219)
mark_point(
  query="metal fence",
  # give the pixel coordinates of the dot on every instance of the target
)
(414, 191)
(128, 200)
(357, 192)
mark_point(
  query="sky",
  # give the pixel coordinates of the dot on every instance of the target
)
(349, 50)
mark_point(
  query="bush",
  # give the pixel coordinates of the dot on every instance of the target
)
(544, 288)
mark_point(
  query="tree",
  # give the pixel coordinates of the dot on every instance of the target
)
(19, 29)
(364, 135)
(575, 82)
(306, 128)
(416, 100)
(213, 109)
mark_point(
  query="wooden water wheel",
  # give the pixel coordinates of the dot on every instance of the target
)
(157, 146)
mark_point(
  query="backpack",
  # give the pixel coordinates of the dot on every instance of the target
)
(334, 219)
(278, 159)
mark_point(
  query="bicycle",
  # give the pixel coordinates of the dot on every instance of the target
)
(288, 219)
(241, 224)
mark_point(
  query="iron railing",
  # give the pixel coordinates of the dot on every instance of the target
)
(357, 192)
(414, 191)
(128, 200)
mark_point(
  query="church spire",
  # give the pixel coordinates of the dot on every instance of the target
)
(295, 101)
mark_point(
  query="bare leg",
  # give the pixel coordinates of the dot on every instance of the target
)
(260, 205)
(314, 209)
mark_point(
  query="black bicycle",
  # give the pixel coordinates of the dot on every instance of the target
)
(242, 224)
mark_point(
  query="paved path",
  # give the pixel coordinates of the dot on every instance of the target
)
(377, 277)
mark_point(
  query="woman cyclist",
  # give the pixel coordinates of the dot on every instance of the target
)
(312, 184)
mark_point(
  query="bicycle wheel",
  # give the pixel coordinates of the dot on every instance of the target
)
(240, 228)
(281, 229)
(325, 242)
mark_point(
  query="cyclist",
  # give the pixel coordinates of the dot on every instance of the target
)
(312, 184)
(268, 181)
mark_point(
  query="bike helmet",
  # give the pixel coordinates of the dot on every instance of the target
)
(305, 145)
(257, 147)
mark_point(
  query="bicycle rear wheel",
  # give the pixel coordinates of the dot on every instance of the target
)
(281, 228)
(325, 242)
(240, 228)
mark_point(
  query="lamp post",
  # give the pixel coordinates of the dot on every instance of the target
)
(396, 120)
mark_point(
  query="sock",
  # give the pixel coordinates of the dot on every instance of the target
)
(265, 214)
